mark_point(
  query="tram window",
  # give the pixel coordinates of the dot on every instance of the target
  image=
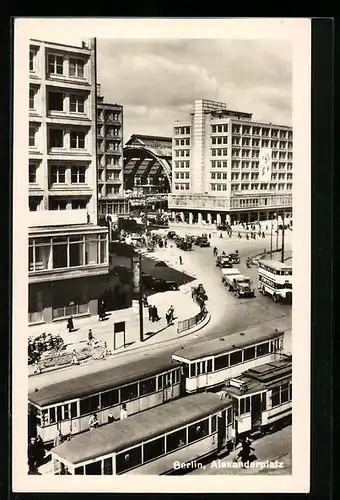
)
(79, 471)
(229, 415)
(128, 459)
(235, 358)
(44, 419)
(147, 386)
(185, 368)
(198, 430)
(153, 449)
(176, 439)
(107, 468)
(221, 362)
(242, 406)
(160, 382)
(213, 423)
(290, 392)
(247, 404)
(89, 405)
(209, 366)
(176, 376)
(74, 410)
(52, 416)
(66, 412)
(262, 349)
(199, 368)
(193, 370)
(263, 402)
(59, 416)
(94, 469)
(275, 396)
(129, 392)
(109, 398)
(249, 353)
(284, 393)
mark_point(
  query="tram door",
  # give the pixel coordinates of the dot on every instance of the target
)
(221, 429)
(256, 411)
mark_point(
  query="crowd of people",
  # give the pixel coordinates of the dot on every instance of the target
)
(44, 342)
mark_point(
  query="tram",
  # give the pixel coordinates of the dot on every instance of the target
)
(206, 365)
(68, 405)
(152, 442)
(262, 397)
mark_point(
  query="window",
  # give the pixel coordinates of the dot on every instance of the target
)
(176, 439)
(198, 430)
(221, 362)
(249, 353)
(107, 467)
(276, 396)
(32, 98)
(193, 370)
(128, 459)
(32, 59)
(32, 173)
(76, 251)
(78, 204)
(77, 140)
(209, 366)
(229, 415)
(78, 175)
(154, 449)
(55, 64)
(262, 349)
(76, 68)
(242, 406)
(89, 405)
(213, 423)
(147, 386)
(58, 174)
(74, 410)
(284, 393)
(129, 392)
(235, 358)
(56, 138)
(77, 104)
(52, 416)
(79, 471)
(109, 398)
(94, 469)
(32, 135)
(55, 101)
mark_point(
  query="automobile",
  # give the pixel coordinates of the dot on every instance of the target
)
(183, 244)
(147, 280)
(234, 258)
(161, 285)
(202, 241)
(223, 261)
(171, 235)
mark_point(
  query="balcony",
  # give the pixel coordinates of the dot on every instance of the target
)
(57, 217)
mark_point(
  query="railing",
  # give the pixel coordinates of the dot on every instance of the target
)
(189, 323)
(64, 312)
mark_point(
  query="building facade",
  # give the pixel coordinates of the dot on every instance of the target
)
(111, 199)
(228, 168)
(68, 251)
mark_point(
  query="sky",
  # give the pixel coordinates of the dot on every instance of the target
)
(157, 80)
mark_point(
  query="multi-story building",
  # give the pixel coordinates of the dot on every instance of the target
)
(227, 167)
(68, 251)
(111, 199)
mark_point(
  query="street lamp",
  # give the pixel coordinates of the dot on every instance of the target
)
(277, 231)
(271, 238)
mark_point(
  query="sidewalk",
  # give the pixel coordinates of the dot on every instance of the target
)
(212, 228)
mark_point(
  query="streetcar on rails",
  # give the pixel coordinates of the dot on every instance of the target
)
(262, 397)
(275, 279)
(152, 442)
(68, 405)
(206, 365)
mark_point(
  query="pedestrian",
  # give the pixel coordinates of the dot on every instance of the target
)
(75, 360)
(172, 313)
(263, 235)
(167, 317)
(32, 455)
(239, 235)
(165, 243)
(245, 451)
(155, 316)
(70, 324)
(90, 337)
(145, 300)
(93, 422)
(150, 312)
(58, 439)
(209, 236)
(123, 412)
(180, 260)
(40, 450)
(247, 236)
(110, 418)
(221, 236)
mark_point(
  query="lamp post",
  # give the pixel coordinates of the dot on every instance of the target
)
(277, 231)
(283, 238)
(137, 290)
(271, 238)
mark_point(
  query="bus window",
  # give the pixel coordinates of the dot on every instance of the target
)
(129, 392)
(209, 366)
(79, 471)
(74, 410)
(249, 353)
(94, 469)
(176, 440)
(52, 416)
(193, 370)
(107, 467)
(128, 459)
(198, 430)
(153, 449)
(147, 386)
(109, 398)
(262, 349)
(221, 362)
(235, 358)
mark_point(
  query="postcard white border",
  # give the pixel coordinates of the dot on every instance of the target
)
(299, 32)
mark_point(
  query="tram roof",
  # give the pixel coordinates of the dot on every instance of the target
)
(140, 427)
(275, 264)
(227, 343)
(92, 383)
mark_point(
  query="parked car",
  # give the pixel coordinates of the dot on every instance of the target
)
(183, 244)
(147, 281)
(234, 258)
(202, 241)
(161, 285)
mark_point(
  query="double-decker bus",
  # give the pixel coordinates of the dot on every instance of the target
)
(275, 279)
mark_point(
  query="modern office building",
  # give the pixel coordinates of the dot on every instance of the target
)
(68, 251)
(111, 199)
(227, 167)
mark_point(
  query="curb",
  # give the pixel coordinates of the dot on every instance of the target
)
(192, 330)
